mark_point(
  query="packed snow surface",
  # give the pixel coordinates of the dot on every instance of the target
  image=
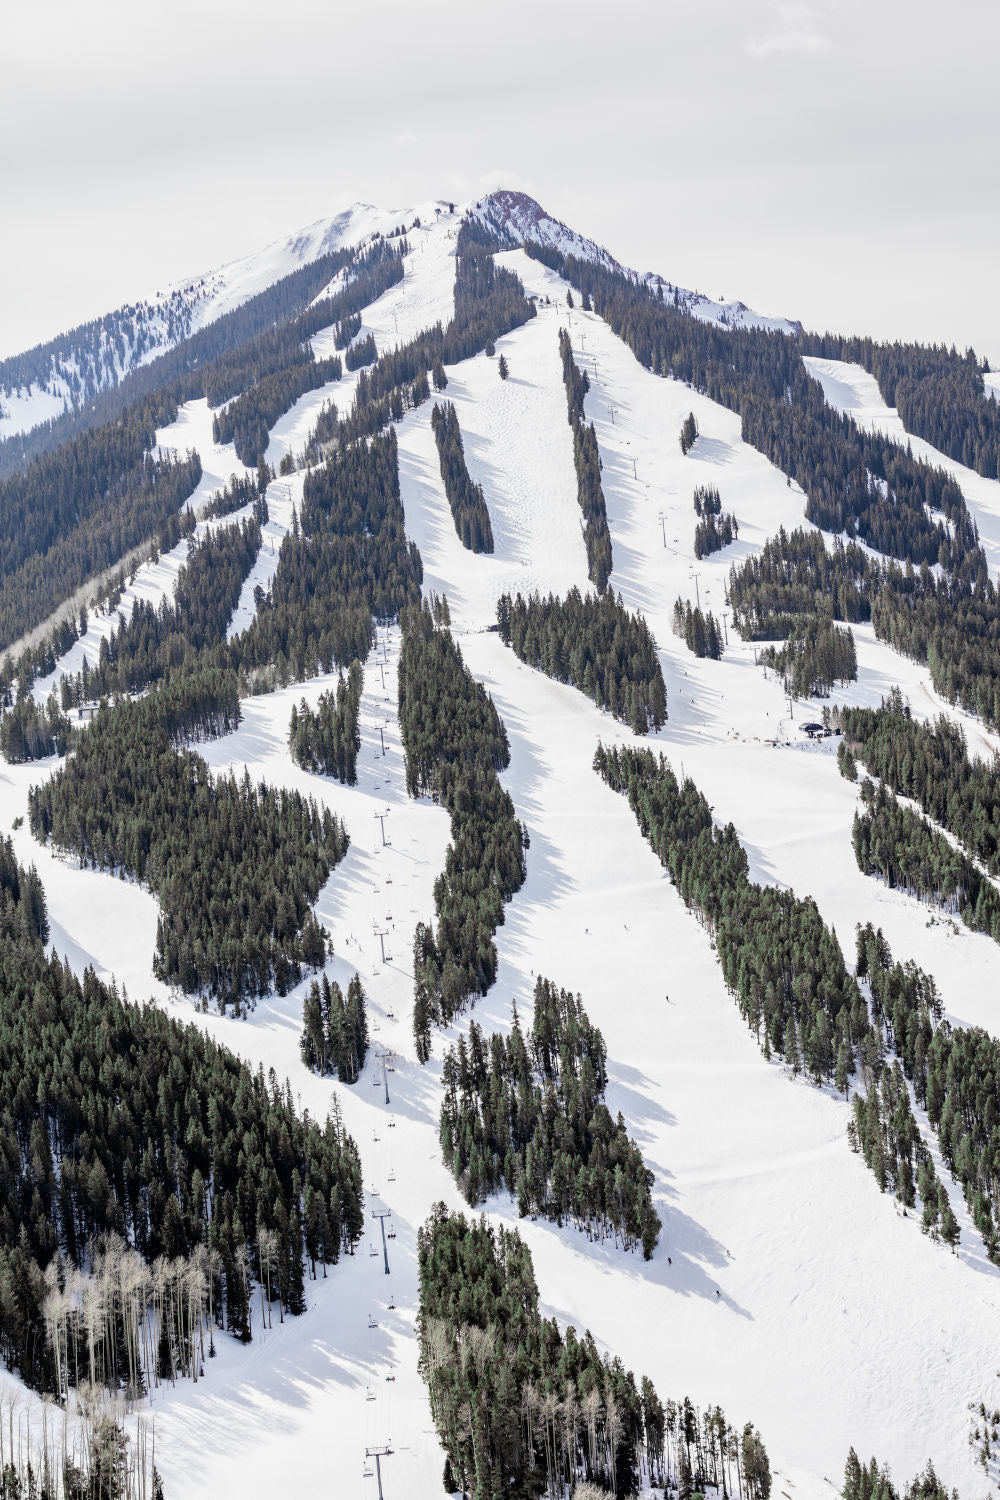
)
(786, 1287)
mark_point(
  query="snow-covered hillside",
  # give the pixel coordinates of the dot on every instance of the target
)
(74, 367)
(786, 1287)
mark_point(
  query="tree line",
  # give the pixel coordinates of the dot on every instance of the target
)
(901, 847)
(127, 1137)
(519, 1404)
(527, 1116)
(246, 421)
(467, 501)
(955, 1076)
(235, 867)
(873, 1482)
(930, 765)
(587, 462)
(455, 742)
(327, 741)
(782, 964)
(593, 642)
(940, 395)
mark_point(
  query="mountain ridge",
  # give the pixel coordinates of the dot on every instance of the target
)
(59, 374)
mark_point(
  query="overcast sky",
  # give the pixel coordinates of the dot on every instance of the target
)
(832, 160)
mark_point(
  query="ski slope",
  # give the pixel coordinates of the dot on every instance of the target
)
(785, 1288)
(849, 388)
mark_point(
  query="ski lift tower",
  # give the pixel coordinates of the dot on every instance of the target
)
(381, 817)
(382, 1214)
(377, 1454)
(382, 1055)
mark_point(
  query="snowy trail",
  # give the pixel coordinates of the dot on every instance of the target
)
(850, 389)
(155, 581)
(788, 802)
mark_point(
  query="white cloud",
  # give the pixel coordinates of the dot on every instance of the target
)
(797, 30)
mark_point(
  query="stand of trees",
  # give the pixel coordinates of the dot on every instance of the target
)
(91, 1453)
(237, 493)
(467, 501)
(869, 1482)
(335, 1029)
(347, 331)
(362, 353)
(247, 420)
(529, 1117)
(328, 740)
(455, 743)
(714, 530)
(700, 631)
(587, 461)
(592, 641)
(689, 433)
(816, 654)
(148, 1176)
(795, 575)
(235, 867)
(929, 764)
(894, 842)
(28, 732)
(519, 1404)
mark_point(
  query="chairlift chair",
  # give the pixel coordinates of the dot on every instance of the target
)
(372, 1251)
(372, 1322)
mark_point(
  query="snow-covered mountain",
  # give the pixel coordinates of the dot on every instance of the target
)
(72, 368)
(790, 1286)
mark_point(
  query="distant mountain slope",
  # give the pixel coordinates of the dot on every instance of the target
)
(515, 218)
(74, 367)
(71, 369)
